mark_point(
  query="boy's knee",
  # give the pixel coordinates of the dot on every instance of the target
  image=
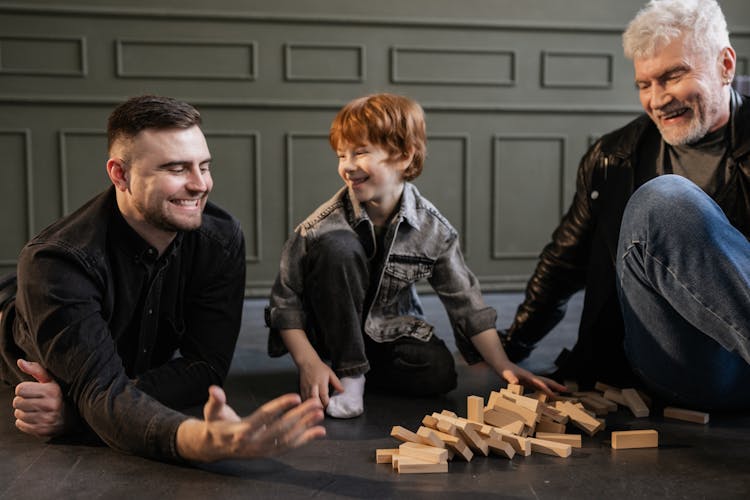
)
(339, 247)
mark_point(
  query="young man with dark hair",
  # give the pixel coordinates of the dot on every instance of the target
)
(129, 308)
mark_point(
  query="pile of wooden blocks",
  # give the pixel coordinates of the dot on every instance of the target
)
(512, 423)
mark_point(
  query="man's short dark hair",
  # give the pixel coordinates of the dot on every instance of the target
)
(149, 111)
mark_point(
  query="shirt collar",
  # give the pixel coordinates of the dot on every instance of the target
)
(407, 211)
(128, 241)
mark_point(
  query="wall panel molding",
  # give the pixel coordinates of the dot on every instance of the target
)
(496, 217)
(322, 105)
(321, 73)
(25, 137)
(254, 255)
(405, 63)
(554, 64)
(241, 58)
(49, 50)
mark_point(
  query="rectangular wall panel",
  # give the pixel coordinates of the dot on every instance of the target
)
(528, 173)
(578, 70)
(15, 192)
(453, 66)
(191, 59)
(41, 55)
(317, 62)
(83, 172)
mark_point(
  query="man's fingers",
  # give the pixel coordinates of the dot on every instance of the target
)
(269, 412)
(215, 404)
(35, 370)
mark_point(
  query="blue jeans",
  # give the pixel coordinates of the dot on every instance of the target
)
(684, 285)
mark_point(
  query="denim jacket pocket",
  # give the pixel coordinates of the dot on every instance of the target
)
(401, 272)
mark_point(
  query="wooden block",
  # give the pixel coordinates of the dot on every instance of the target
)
(448, 413)
(500, 447)
(475, 409)
(500, 418)
(539, 396)
(516, 427)
(550, 447)
(520, 444)
(474, 440)
(549, 426)
(598, 399)
(635, 439)
(410, 465)
(529, 417)
(528, 403)
(394, 461)
(635, 403)
(515, 389)
(573, 440)
(446, 426)
(602, 387)
(429, 437)
(493, 397)
(430, 421)
(554, 414)
(448, 439)
(615, 395)
(404, 435)
(697, 417)
(593, 405)
(385, 455)
(581, 419)
(423, 452)
(645, 397)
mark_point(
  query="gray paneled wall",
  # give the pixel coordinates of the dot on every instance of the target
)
(511, 105)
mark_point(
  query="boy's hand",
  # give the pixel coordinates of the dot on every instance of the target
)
(314, 378)
(277, 426)
(39, 406)
(514, 374)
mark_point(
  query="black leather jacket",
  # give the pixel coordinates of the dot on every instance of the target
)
(583, 247)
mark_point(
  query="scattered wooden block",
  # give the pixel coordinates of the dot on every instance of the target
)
(635, 403)
(514, 427)
(499, 418)
(615, 395)
(429, 437)
(635, 439)
(500, 447)
(448, 413)
(515, 389)
(520, 444)
(539, 396)
(581, 419)
(430, 421)
(475, 409)
(597, 399)
(550, 447)
(697, 417)
(549, 426)
(410, 465)
(423, 452)
(529, 417)
(404, 435)
(573, 440)
(528, 403)
(385, 455)
(572, 385)
(602, 387)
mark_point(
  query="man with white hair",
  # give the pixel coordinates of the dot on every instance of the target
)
(658, 230)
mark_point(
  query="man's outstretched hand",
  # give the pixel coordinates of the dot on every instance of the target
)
(277, 426)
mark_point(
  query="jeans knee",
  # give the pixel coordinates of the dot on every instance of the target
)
(668, 205)
(337, 250)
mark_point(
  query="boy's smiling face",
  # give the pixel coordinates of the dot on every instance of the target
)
(373, 177)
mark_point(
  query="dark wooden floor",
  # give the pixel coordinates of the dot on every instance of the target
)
(692, 461)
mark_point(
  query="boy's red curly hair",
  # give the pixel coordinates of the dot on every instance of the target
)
(393, 122)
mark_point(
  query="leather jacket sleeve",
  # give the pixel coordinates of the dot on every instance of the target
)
(561, 270)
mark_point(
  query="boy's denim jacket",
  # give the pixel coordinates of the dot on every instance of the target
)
(421, 244)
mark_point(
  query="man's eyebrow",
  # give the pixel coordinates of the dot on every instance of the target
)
(182, 163)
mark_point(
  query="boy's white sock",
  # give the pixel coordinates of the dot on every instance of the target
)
(350, 403)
